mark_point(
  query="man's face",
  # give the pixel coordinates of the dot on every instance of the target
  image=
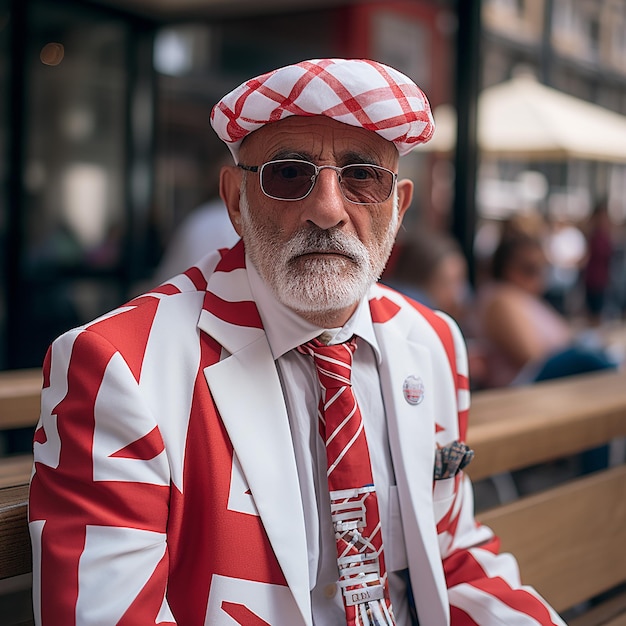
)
(319, 254)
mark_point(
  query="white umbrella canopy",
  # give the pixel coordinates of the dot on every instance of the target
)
(523, 119)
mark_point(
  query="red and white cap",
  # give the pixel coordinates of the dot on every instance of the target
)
(357, 92)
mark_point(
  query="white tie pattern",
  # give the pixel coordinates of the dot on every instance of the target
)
(353, 501)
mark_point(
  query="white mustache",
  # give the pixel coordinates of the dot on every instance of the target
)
(312, 241)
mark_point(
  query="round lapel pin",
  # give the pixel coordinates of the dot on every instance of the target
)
(413, 389)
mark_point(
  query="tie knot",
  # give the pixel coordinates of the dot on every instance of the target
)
(333, 363)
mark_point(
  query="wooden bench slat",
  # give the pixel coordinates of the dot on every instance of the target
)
(20, 398)
(609, 613)
(523, 426)
(582, 522)
(618, 621)
(14, 537)
(15, 470)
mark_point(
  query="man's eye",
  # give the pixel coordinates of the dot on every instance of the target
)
(360, 173)
(289, 172)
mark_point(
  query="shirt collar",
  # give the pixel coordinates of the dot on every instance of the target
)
(286, 330)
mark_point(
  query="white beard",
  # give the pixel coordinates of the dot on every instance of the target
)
(317, 284)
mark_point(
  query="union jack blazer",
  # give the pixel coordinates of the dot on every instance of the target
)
(165, 488)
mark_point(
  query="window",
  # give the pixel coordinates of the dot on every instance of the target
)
(69, 257)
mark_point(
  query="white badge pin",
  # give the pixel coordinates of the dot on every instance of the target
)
(413, 389)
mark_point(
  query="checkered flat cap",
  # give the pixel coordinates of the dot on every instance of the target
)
(357, 92)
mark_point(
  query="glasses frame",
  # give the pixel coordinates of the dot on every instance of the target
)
(318, 168)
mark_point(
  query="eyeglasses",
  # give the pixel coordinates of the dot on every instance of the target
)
(292, 179)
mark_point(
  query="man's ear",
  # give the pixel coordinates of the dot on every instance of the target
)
(230, 185)
(404, 189)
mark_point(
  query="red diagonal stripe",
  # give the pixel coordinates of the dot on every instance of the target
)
(383, 309)
(47, 362)
(144, 449)
(233, 259)
(237, 313)
(166, 289)
(140, 319)
(40, 436)
(242, 614)
(196, 277)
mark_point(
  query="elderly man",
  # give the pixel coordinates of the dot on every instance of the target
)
(271, 437)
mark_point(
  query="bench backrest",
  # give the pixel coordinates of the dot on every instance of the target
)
(522, 426)
(569, 540)
(15, 551)
(20, 395)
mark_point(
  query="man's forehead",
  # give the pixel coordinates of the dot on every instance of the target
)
(316, 136)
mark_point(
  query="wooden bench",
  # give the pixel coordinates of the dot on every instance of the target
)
(569, 540)
(517, 427)
(20, 394)
(14, 539)
(15, 558)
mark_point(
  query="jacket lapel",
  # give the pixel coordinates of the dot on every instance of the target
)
(247, 392)
(412, 441)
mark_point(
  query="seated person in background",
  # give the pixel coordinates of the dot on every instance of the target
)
(430, 268)
(517, 326)
(597, 271)
(526, 339)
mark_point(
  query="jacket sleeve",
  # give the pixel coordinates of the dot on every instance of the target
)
(484, 586)
(99, 493)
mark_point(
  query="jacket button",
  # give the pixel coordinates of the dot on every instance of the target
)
(330, 590)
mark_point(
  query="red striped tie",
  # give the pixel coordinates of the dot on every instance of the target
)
(353, 502)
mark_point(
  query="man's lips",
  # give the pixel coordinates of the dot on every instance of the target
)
(331, 252)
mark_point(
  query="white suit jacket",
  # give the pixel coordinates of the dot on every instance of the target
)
(165, 488)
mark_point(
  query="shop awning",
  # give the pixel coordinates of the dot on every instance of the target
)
(523, 119)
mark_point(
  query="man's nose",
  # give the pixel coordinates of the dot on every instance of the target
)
(325, 206)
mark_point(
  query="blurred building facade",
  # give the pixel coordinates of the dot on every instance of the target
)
(579, 48)
(576, 48)
(105, 144)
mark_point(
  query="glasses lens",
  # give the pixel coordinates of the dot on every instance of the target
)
(287, 180)
(366, 184)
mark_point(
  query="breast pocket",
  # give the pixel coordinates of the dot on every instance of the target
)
(443, 496)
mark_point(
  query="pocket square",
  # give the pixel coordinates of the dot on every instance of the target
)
(451, 459)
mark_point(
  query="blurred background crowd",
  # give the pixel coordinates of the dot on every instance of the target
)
(108, 163)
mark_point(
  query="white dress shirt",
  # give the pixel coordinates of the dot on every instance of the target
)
(286, 331)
